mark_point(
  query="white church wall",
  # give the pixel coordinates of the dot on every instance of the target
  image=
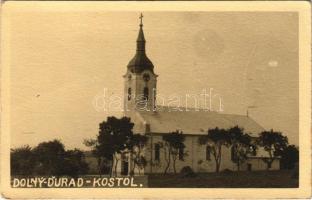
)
(194, 151)
(196, 158)
(259, 164)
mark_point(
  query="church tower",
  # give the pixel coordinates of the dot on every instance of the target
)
(140, 79)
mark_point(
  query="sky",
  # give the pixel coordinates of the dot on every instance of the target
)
(61, 61)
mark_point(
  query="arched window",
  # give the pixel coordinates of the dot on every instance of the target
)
(129, 94)
(208, 152)
(233, 153)
(181, 153)
(145, 93)
(157, 151)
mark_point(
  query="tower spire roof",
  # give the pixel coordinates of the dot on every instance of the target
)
(140, 61)
(141, 40)
(141, 18)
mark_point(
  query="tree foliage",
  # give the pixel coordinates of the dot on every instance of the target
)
(48, 158)
(241, 145)
(114, 139)
(289, 157)
(216, 139)
(74, 163)
(274, 143)
(173, 144)
(22, 161)
(137, 143)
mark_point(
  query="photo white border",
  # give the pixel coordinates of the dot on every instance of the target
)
(304, 190)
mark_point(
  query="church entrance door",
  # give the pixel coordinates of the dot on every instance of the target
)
(249, 167)
(124, 168)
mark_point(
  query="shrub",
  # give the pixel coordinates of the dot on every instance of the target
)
(48, 158)
(22, 161)
(295, 173)
(227, 171)
(187, 171)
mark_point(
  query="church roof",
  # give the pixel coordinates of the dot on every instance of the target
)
(196, 122)
(140, 61)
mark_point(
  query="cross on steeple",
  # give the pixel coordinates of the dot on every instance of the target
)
(141, 19)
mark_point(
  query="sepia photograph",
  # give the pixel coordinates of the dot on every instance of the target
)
(103, 95)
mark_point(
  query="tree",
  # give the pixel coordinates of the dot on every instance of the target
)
(113, 139)
(289, 157)
(102, 161)
(241, 145)
(216, 138)
(22, 161)
(173, 145)
(138, 142)
(274, 143)
(74, 163)
(49, 156)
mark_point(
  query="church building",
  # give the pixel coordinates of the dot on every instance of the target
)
(140, 83)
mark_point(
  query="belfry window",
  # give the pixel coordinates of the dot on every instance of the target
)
(145, 93)
(129, 94)
(146, 77)
(154, 100)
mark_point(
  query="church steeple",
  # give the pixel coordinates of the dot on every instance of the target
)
(141, 40)
(140, 61)
(140, 79)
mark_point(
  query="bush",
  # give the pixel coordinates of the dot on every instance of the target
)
(48, 158)
(187, 171)
(227, 171)
(289, 157)
(295, 173)
(22, 161)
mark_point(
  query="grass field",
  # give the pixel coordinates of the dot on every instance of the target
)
(254, 179)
